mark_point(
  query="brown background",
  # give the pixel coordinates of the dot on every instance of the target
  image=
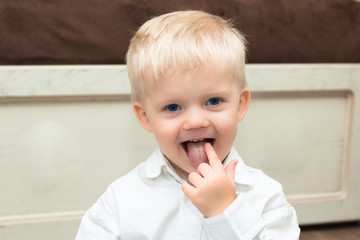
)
(98, 31)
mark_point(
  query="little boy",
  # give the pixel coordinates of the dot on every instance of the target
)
(189, 89)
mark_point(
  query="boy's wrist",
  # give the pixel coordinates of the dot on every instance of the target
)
(220, 210)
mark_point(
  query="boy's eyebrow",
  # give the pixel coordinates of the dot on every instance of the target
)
(220, 91)
(217, 91)
(171, 98)
(165, 101)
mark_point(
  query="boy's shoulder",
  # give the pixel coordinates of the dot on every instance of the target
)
(263, 189)
(261, 178)
(129, 179)
(252, 177)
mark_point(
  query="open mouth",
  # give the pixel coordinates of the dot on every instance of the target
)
(198, 141)
(195, 150)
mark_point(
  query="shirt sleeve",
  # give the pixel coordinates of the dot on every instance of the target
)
(99, 223)
(241, 220)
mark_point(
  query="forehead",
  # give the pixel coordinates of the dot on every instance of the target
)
(209, 78)
(210, 69)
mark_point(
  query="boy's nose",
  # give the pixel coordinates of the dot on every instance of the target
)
(195, 119)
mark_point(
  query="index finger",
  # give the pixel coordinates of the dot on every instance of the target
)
(214, 160)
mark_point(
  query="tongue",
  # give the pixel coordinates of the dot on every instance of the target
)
(196, 153)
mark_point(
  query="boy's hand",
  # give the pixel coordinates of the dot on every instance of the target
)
(213, 187)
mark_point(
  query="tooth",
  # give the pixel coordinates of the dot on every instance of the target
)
(197, 140)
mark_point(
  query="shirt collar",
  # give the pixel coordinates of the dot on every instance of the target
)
(156, 163)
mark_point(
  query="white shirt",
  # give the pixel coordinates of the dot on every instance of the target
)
(148, 203)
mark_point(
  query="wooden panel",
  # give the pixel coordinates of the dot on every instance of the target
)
(45, 231)
(68, 131)
(305, 124)
(65, 152)
(297, 134)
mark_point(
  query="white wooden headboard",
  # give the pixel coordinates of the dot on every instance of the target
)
(66, 132)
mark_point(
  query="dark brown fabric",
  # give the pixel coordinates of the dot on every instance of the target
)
(98, 31)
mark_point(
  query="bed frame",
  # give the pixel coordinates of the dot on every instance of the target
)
(68, 131)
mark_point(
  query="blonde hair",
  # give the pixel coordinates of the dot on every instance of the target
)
(181, 41)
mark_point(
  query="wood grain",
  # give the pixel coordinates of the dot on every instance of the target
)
(348, 231)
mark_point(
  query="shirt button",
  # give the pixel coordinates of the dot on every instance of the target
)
(208, 232)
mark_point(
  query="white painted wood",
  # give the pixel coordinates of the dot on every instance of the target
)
(72, 80)
(50, 230)
(68, 131)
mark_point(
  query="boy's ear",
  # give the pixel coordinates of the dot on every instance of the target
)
(245, 97)
(141, 116)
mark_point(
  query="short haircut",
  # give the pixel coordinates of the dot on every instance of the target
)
(181, 41)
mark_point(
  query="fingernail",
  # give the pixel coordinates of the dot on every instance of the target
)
(207, 144)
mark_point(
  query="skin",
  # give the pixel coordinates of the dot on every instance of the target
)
(200, 104)
(212, 182)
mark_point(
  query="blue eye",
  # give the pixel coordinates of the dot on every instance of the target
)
(213, 101)
(173, 107)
